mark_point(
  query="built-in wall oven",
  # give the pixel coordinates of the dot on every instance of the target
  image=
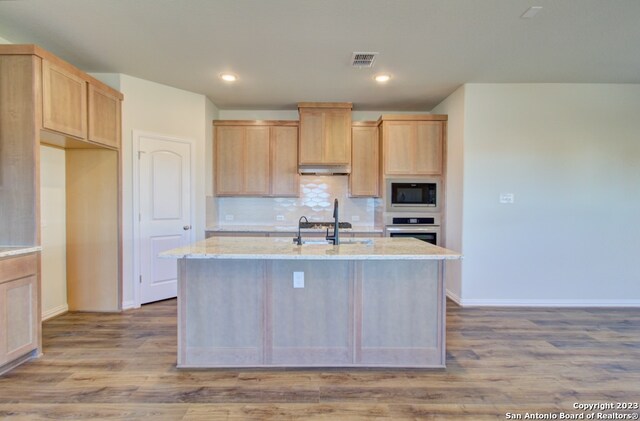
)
(425, 228)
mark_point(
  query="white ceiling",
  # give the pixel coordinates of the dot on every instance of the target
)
(287, 51)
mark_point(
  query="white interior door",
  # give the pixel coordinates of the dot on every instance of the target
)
(165, 212)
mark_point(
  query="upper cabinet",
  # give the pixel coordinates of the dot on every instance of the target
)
(256, 158)
(77, 110)
(285, 180)
(64, 101)
(364, 180)
(104, 117)
(413, 144)
(325, 133)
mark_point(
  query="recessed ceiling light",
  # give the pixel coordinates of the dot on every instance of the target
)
(228, 77)
(382, 78)
(531, 12)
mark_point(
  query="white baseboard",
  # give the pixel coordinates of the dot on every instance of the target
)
(127, 305)
(542, 303)
(454, 297)
(56, 311)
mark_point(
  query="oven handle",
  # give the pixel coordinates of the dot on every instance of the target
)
(409, 228)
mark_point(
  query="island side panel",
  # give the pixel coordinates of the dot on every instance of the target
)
(400, 309)
(222, 310)
(313, 325)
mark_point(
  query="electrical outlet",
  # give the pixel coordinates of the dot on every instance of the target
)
(228, 217)
(355, 218)
(298, 279)
(507, 198)
(279, 217)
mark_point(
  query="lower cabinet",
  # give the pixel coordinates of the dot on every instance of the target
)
(19, 322)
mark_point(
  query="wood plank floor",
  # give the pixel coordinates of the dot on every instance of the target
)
(499, 361)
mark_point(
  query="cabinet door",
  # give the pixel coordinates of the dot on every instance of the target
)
(64, 101)
(256, 161)
(104, 117)
(337, 140)
(428, 155)
(229, 160)
(311, 136)
(364, 177)
(284, 161)
(18, 318)
(399, 142)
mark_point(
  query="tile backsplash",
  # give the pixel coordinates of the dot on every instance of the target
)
(315, 202)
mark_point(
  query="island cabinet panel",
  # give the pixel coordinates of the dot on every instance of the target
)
(310, 325)
(221, 313)
(19, 322)
(348, 313)
(64, 101)
(400, 317)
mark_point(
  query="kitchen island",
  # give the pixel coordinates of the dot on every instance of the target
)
(266, 302)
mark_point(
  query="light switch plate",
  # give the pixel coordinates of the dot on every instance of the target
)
(507, 198)
(298, 279)
(279, 217)
(228, 217)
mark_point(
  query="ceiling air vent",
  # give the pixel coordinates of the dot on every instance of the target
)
(363, 59)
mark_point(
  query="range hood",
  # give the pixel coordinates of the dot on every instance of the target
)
(324, 169)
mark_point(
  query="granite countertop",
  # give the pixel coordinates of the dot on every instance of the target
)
(6, 251)
(289, 228)
(285, 249)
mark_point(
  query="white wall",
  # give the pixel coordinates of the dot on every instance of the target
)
(570, 153)
(156, 108)
(161, 109)
(53, 231)
(454, 107)
(4, 41)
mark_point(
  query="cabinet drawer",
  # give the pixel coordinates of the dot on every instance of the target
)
(17, 267)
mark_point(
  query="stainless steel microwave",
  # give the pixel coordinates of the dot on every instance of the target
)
(413, 195)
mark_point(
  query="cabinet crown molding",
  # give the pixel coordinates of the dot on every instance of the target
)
(413, 117)
(292, 123)
(348, 105)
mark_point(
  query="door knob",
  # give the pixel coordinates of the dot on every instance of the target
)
(186, 227)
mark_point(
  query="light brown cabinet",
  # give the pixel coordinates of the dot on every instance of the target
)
(285, 180)
(256, 158)
(43, 100)
(104, 117)
(364, 180)
(19, 321)
(413, 144)
(64, 101)
(325, 133)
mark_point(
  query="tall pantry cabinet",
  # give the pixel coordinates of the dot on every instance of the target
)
(44, 100)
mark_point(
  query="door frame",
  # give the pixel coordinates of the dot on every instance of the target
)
(135, 157)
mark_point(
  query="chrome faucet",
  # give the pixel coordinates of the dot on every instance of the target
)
(336, 232)
(298, 239)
